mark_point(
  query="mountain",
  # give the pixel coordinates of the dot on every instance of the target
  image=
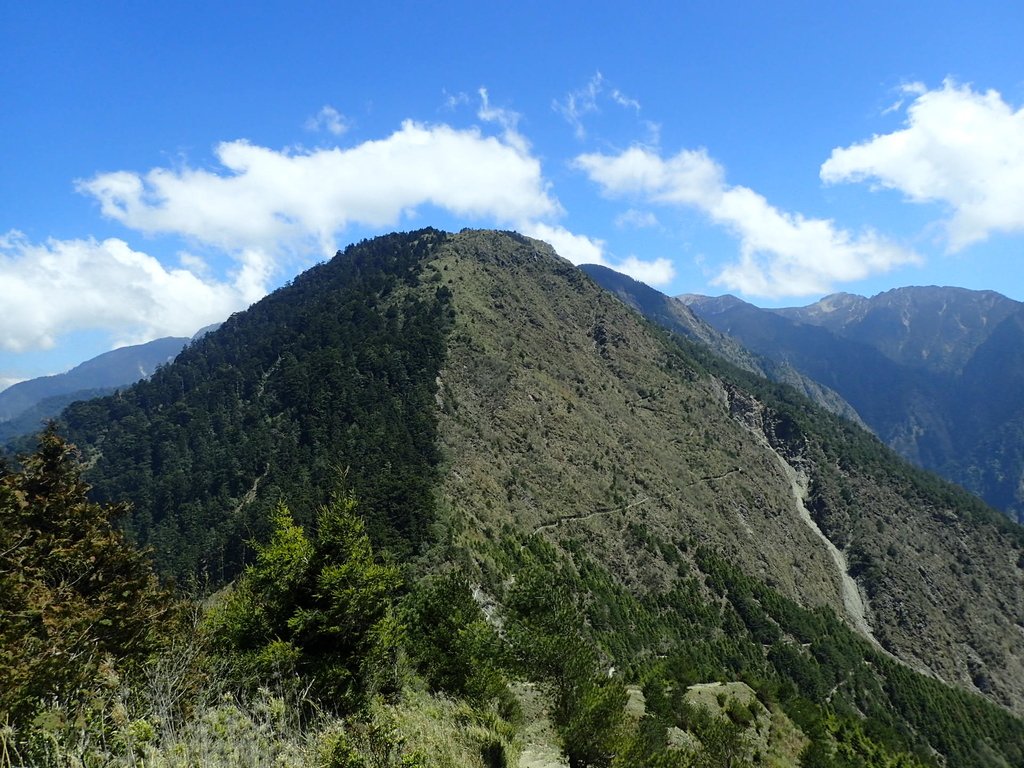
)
(117, 368)
(498, 414)
(933, 371)
(675, 315)
(923, 327)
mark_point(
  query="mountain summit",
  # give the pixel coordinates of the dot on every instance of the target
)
(489, 404)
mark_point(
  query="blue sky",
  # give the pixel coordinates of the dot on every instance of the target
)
(166, 164)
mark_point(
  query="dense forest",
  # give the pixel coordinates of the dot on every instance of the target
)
(327, 381)
(321, 640)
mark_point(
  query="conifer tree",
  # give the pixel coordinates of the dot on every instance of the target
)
(74, 594)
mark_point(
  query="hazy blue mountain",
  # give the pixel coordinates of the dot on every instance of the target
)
(937, 373)
(117, 368)
(930, 327)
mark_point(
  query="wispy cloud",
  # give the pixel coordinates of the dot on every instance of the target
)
(634, 219)
(506, 118)
(959, 147)
(585, 101)
(328, 119)
(781, 254)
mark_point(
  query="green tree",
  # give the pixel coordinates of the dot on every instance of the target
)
(452, 643)
(546, 632)
(75, 596)
(319, 607)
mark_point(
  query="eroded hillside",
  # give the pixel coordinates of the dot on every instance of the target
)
(565, 415)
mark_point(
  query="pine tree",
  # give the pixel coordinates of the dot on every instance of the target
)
(74, 593)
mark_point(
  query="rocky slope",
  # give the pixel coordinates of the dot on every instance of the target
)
(675, 315)
(562, 412)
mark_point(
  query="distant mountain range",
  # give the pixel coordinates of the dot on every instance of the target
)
(26, 405)
(937, 373)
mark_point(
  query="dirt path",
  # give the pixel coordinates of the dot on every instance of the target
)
(611, 511)
(540, 744)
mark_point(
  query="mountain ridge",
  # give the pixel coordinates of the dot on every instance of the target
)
(933, 327)
(674, 314)
(496, 411)
(116, 368)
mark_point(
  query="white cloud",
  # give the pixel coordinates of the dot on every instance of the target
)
(958, 146)
(64, 285)
(259, 207)
(279, 201)
(453, 101)
(328, 119)
(656, 272)
(781, 254)
(625, 101)
(506, 118)
(580, 249)
(688, 178)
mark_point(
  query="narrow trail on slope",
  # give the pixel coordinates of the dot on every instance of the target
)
(612, 510)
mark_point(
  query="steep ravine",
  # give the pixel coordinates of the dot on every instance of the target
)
(854, 601)
(855, 604)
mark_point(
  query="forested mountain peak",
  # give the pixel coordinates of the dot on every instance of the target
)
(496, 414)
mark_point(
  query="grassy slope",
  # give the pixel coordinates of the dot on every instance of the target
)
(564, 415)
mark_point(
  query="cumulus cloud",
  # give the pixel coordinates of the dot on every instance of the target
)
(328, 119)
(261, 206)
(53, 288)
(277, 201)
(653, 272)
(958, 146)
(580, 249)
(781, 254)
